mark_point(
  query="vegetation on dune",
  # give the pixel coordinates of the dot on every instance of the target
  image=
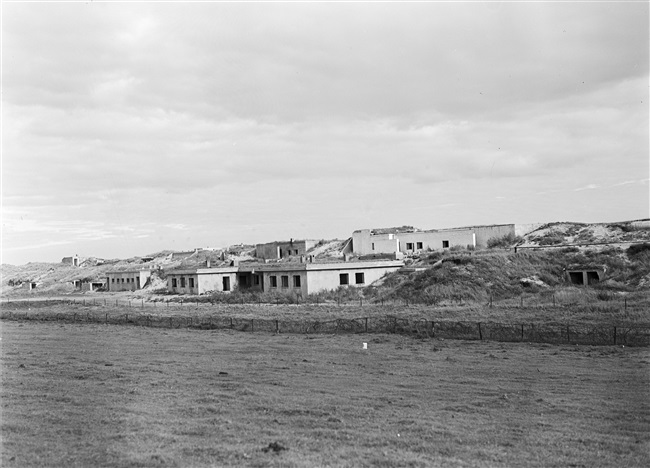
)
(497, 275)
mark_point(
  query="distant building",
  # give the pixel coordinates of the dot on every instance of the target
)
(127, 280)
(294, 277)
(409, 240)
(284, 249)
(74, 261)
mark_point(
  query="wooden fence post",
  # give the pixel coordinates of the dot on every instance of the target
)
(522, 332)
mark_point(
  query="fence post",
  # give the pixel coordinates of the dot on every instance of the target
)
(106, 319)
(480, 333)
(366, 325)
(522, 332)
(491, 299)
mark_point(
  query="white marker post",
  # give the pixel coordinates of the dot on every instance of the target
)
(365, 346)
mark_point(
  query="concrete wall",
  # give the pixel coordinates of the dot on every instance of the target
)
(485, 233)
(291, 288)
(205, 280)
(127, 280)
(326, 277)
(434, 239)
(276, 250)
(363, 243)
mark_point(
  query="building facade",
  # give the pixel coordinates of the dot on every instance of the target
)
(367, 241)
(286, 278)
(278, 250)
(127, 280)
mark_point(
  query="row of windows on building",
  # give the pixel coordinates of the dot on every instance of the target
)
(419, 245)
(128, 280)
(344, 279)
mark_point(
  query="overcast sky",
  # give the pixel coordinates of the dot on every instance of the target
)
(132, 128)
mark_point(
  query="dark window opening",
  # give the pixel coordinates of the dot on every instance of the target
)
(344, 279)
(592, 277)
(285, 281)
(419, 245)
(191, 282)
(182, 281)
(226, 283)
(274, 281)
(359, 278)
(445, 244)
(256, 280)
(174, 282)
(373, 246)
(296, 281)
(576, 277)
(409, 246)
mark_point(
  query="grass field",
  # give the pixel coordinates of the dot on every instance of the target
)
(107, 395)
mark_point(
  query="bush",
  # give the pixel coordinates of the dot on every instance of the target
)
(503, 242)
(637, 249)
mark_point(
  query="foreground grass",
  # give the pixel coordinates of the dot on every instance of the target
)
(104, 395)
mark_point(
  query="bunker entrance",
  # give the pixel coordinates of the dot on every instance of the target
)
(592, 277)
(576, 277)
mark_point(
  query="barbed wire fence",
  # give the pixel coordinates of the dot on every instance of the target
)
(132, 313)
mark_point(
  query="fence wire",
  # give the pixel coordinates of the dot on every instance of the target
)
(629, 335)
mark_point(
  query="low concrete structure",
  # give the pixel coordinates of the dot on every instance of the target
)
(88, 285)
(288, 278)
(202, 280)
(129, 280)
(284, 249)
(410, 240)
(74, 261)
(584, 276)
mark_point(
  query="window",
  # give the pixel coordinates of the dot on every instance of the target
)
(122, 280)
(344, 279)
(274, 281)
(359, 278)
(112, 280)
(373, 246)
(226, 283)
(285, 281)
(256, 280)
(419, 245)
(296, 281)
(191, 282)
(174, 283)
(128, 280)
(445, 244)
(182, 281)
(409, 246)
